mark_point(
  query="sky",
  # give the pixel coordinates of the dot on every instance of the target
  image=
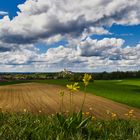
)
(81, 36)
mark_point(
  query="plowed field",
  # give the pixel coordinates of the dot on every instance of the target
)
(44, 98)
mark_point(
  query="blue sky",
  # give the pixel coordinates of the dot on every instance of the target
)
(131, 34)
(43, 35)
(10, 6)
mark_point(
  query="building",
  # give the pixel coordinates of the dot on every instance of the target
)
(65, 72)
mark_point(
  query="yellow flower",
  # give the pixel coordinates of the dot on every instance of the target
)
(86, 79)
(90, 109)
(93, 118)
(87, 113)
(131, 111)
(40, 111)
(61, 93)
(114, 115)
(24, 110)
(126, 114)
(83, 113)
(73, 87)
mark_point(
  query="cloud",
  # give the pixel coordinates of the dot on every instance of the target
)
(109, 57)
(38, 19)
(105, 54)
(18, 55)
(50, 21)
(102, 48)
(3, 13)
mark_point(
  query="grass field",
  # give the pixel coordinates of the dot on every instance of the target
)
(12, 82)
(123, 91)
(65, 127)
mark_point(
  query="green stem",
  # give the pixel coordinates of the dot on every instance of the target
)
(70, 101)
(84, 98)
(62, 104)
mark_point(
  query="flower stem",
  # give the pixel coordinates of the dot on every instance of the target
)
(62, 104)
(70, 100)
(84, 98)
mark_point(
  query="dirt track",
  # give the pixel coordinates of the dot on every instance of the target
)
(34, 97)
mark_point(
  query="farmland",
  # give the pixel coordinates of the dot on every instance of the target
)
(32, 110)
(123, 91)
(35, 97)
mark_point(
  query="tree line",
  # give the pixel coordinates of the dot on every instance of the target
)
(72, 76)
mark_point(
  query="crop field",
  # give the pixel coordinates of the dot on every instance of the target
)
(123, 91)
(45, 98)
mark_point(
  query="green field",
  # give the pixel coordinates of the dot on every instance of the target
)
(13, 82)
(123, 91)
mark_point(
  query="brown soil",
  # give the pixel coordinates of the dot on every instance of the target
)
(45, 98)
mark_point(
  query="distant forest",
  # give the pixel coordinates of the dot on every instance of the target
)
(69, 75)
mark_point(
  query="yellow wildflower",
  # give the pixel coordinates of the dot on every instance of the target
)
(93, 118)
(130, 114)
(90, 109)
(24, 110)
(87, 113)
(40, 111)
(131, 111)
(114, 115)
(126, 114)
(73, 87)
(86, 79)
(83, 113)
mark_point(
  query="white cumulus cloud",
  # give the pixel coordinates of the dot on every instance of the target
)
(49, 21)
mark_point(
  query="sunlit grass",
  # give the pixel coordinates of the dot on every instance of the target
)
(25, 126)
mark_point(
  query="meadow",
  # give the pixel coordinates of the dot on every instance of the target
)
(26, 126)
(13, 82)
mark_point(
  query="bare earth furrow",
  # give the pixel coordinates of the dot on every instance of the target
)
(44, 98)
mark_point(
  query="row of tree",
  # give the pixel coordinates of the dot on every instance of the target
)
(69, 75)
(117, 75)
